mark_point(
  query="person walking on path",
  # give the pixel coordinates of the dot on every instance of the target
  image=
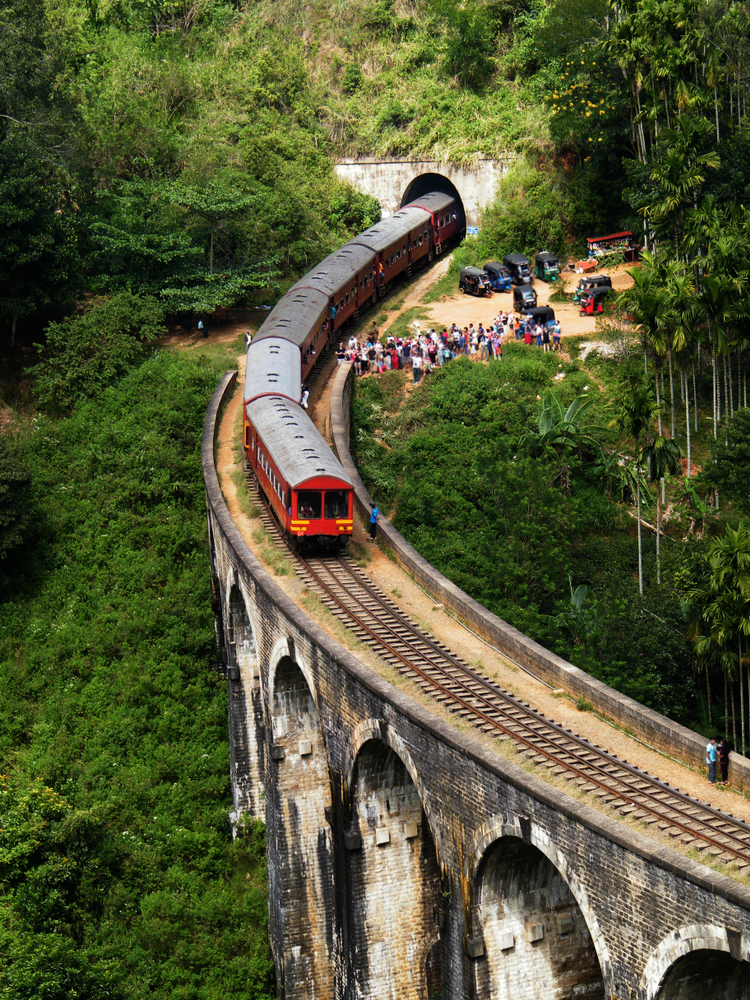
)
(723, 750)
(416, 364)
(373, 522)
(711, 761)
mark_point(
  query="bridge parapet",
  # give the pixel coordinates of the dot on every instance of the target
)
(405, 856)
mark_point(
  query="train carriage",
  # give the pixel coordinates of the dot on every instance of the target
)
(446, 217)
(274, 368)
(304, 482)
(339, 277)
(391, 240)
(302, 317)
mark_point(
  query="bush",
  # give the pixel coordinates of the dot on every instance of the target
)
(88, 352)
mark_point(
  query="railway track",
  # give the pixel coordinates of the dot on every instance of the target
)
(360, 605)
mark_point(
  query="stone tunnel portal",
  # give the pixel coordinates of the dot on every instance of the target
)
(425, 183)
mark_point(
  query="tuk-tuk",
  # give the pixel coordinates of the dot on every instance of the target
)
(541, 314)
(520, 268)
(524, 297)
(546, 266)
(474, 281)
(591, 281)
(499, 276)
(593, 299)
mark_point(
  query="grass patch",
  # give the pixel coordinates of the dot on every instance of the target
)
(243, 497)
(402, 325)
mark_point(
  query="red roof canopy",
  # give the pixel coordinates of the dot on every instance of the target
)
(612, 236)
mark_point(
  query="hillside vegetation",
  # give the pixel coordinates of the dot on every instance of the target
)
(164, 160)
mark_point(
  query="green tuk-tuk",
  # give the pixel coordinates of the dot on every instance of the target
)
(546, 266)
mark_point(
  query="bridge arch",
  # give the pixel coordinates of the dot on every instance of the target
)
(716, 959)
(301, 887)
(427, 182)
(245, 707)
(378, 729)
(394, 919)
(529, 907)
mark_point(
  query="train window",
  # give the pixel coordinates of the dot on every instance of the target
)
(247, 435)
(420, 239)
(337, 503)
(309, 504)
(347, 296)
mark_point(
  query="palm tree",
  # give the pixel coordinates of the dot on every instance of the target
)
(662, 456)
(637, 411)
(721, 600)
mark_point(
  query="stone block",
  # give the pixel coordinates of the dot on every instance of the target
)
(535, 932)
(474, 946)
(277, 752)
(410, 830)
(352, 841)
(564, 923)
(305, 748)
(382, 835)
(507, 941)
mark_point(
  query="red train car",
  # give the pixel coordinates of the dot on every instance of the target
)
(306, 487)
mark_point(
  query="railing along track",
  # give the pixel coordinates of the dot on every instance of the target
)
(356, 601)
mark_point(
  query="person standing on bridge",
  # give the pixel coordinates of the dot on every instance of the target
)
(723, 751)
(373, 522)
(711, 761)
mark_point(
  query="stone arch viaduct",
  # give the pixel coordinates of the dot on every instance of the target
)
(407, 861)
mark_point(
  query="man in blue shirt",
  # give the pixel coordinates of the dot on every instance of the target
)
(711, 761)
(373, 522)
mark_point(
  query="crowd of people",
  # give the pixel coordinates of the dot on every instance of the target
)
(428, 349)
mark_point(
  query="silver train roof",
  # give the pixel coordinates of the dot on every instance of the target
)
(436, 201)
(298, 448)
(381, 235)
(295, 315)
(333, 272)
(273, 367)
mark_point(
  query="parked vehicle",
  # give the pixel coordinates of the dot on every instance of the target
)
(474, 281)
(594, 299)
(591, 281)
(524, 297)
(500, 277)
(520, 268)
(546, 266)
(541, 314)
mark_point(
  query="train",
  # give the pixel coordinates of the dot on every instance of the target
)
(305, 485)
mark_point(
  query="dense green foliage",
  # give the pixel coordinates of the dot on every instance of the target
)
(118, 874)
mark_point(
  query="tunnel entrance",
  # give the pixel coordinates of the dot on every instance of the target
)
(425, 183)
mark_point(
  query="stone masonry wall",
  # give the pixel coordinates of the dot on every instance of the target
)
(644, 906)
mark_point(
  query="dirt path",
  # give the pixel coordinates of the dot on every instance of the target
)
(465, 309)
